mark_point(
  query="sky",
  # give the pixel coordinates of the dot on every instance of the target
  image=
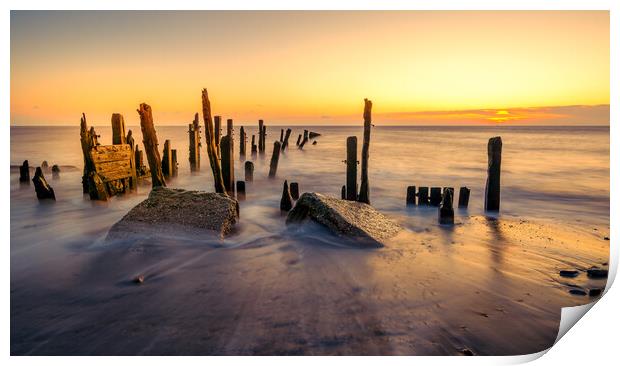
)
(309, 67)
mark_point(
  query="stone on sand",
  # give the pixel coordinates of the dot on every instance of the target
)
(357, 221)
(166, 209)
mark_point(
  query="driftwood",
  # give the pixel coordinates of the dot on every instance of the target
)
(240, 190)
(41, 187)
(286, 137)
(212, 148)
(435, 196)
(351, 168)
(364, 195)
(249, 171)
(194, 144)
(166, 160)
(286, 202)
(492, 191)
(423, 196)
(149, 140)
(294, 188)
(118, 129)
(275, 156)
(218, 131)
(228, 164)
(411, 196)
(464, 197)
(24, 172)
(446, 212)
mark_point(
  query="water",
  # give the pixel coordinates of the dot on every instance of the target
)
(553, 175)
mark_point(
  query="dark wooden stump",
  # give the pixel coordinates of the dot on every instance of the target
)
(286, 137)
(446, 212)
(212, 148)
(240, 190)
(249, 171)
(294, 188)
(275, 156)
(492, 191)
(254, 147)
(175, 165)
(228, 164)
(464, 197)
(55, 171)
(343, 192)
(242, 142)
(88, 140)
(166, 160)
(261, 136)
(42, 188)
(423, 196)
(281, 135)
(286, 203)
(435, 196)
(149, 141)
(45, 166)
(298, 140)
(451, 189)
(118, 129)
(352, 168)
(312, 135)
(24, 172)
(411, 196)
(364, 195)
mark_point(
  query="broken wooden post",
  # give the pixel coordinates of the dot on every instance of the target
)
(286, 137)
(129, 139)
(44, 190)
(264, 138)
(352, 168)
(411, 196)
(492, 196)
(303, 142)
(240, 190)
(118, 129)
(423, 196)
(261, 136)
(228, 164)
(446, 212)
(286, 203)
(24, 172)
(281, 135)
(275, 156)
(249, 171)
(464, 197)
(194, 144)
(175, 165)
(88, 139)
(298, 139)
(166, 160)
(218, 132)
(343, 192)
(312, 135)
(305, 134)
(149, 140)
(254, 147)
(134, 178)
(435, 196)
(55, 171)
(364, 195)
(212, 148)
(242, 140)
(294, 188)
(451, 189)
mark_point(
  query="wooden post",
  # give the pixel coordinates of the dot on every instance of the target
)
(464, 197)
(305, 134)
(88, 139)
(240, 190)
(446, 212)
(129, 140)
(218, 132)
(118, 129)
(249, 171)
(242, 140)
(264, 138)
(286, 203)
(364, 195)
(24, 173)
(298, 139)
(139, 162)
(228, 164)
(423, 196)
(352, 168)
(286, 137)
(133, 183)
(55, 171)
(194, 144)
(451, 189)
(492, 196)
(45, 166)
(294, 188)
(166, 162)
(303, 142)
(261, 137)
(174, 171)
(254, 149)
(343, 192)
(281, 135)
(435, 196)
(212, 148)
(43, 190)
(149, 140)
(411, 196)
(275, 156)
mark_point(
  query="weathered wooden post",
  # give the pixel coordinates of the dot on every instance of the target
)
(242, 141)
(129, 140)
(228, 164)
(166, 160)
(286, 203)
(298, 139)
(275, 156)
(45, 166)
(364, 195)
(264, 137)
(254, 149)
(435, 196)
(286, 137)
(149, 140)
(212, 148)
(294, 188)
(446, 212)
(451, 189)
(249, 171)
(343, 192)
(55, 171)
(174, 171)
(240, 190)
(194, 144)
(24, 172)
(411, 196)
(352, 168)
(43, 189)
(133, 183)
(88, 139)
(492, 196)
(261, 137)
(218, 132)
(423, 196)
(118, 129)
(464, 197)
(281, 135)
(303, 142)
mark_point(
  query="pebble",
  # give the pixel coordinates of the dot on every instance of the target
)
(569, 273)
(597, 273)
(595, 292)
(139, 279)
(576, 291)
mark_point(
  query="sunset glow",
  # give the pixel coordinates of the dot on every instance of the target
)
(312, 67)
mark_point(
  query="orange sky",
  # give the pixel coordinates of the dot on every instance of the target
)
(418, 67)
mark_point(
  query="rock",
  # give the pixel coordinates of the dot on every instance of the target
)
(577, 291)
(569, 273)
(606, 238)
(24, 172)
(43, 189)
(466, 352)
(597, 273)
(595, 292)
(139, 279)
(193, 212)
(359, 222)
